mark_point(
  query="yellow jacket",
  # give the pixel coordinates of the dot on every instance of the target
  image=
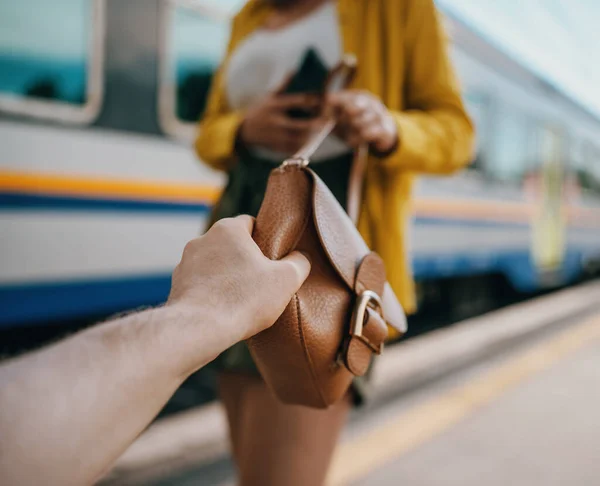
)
(400, 46)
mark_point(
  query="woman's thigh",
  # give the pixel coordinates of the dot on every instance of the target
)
(275, 444)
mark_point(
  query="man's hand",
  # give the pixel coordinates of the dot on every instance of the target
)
(363, 118)
(267, 124)
(225, 279)
(57, 404)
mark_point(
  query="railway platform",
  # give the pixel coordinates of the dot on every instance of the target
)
(506, 398)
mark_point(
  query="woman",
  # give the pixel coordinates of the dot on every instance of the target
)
(404, 102)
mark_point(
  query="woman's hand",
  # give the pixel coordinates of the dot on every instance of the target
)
(363, 118)
(267, 124)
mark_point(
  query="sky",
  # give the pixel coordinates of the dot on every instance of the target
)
(555, 38)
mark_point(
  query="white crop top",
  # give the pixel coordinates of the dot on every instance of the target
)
(266, 57)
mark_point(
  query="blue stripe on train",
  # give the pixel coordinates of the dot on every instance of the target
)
(516, 265)
(36, 304)
(30, 202)
(27, 202)
(470, 223)
(48, 302)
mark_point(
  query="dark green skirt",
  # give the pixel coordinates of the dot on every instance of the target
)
(244, 194)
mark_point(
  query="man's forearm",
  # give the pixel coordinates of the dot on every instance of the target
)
(68, 411)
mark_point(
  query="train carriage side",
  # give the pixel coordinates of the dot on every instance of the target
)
(99, 189)
(527, 210)
(96, 201)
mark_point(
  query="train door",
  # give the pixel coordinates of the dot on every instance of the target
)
(548, 242)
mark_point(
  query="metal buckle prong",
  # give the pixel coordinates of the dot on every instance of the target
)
(366, 299)
(296, 162)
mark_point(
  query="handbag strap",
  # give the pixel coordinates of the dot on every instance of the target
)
(314, 142)
(338, 78)
(357, 171)
(356, 182)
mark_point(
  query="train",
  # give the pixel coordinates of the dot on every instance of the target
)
(100, 188)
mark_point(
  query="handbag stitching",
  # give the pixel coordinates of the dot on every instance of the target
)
(305, 349)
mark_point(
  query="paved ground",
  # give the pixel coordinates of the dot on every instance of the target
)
(536, 423)
(530, 416)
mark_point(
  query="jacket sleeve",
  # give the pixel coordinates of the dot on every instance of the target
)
(215, 142)
(435, 132)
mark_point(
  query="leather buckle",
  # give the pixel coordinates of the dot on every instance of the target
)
(367, 299)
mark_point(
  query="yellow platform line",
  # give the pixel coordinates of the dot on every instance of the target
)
(356, 459)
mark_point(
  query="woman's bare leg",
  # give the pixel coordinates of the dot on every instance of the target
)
(275, 444)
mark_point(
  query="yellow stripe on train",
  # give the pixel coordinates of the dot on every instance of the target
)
(109, 188)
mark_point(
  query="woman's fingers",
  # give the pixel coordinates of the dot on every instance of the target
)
(372, 134)
(296, 126)
(290, 143)
(354, 112)
(290, 134)
(287, 102)
(363, 118)
(369, 131)
(349, 103)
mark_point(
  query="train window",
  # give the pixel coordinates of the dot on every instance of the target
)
(51, 58)
(512, 151)
(195, 36)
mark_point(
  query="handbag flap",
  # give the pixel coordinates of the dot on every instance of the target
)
(346, 248)
(341, 241)
(284, 215)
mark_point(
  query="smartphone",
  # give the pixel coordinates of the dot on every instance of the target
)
(311, 77)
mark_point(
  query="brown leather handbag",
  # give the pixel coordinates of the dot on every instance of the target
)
(337, 321)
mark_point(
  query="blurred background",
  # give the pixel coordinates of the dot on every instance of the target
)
(100, 190)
